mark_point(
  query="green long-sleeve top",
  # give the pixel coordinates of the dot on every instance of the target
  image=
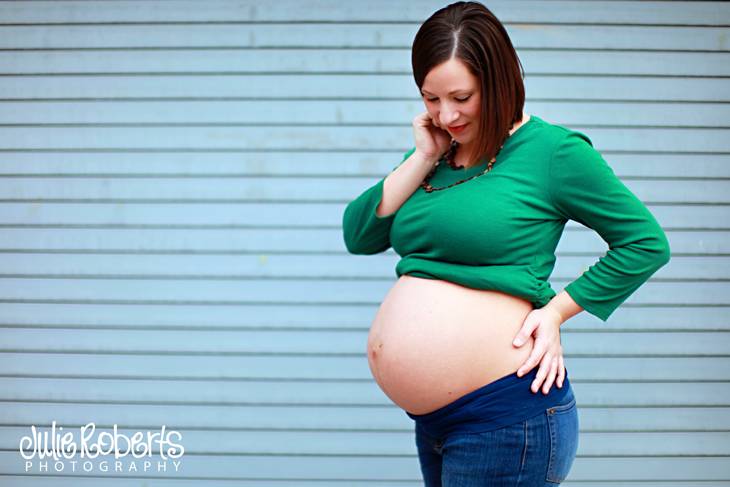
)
(499, 231)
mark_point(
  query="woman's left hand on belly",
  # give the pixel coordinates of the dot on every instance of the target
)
(548, 352)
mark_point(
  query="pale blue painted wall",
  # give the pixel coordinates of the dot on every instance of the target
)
(173, 176)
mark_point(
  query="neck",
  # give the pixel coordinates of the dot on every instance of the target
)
(464, 148)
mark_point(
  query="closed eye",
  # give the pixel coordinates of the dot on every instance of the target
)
(457, 99)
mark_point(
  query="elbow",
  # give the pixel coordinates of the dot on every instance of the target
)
(356, 244)
(653, 253)
(350, 232)
(352, 246)
(666, 251)
(365, 235)
(350, 243)
(356, 247)
(662, 251)
(666, 255)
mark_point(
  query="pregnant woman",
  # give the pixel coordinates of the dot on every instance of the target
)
(475, 211)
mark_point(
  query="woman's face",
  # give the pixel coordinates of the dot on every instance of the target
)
(452, 97)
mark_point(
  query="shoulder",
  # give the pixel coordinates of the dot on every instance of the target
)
(554, 136)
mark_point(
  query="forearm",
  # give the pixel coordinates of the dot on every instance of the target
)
(400, 184)
(564, 305)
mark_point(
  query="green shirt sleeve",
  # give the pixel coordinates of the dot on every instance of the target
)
(365, 232)
(584, 188)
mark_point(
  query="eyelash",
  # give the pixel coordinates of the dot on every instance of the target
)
(458, 99)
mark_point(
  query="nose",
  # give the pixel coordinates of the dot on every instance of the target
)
(448, 117)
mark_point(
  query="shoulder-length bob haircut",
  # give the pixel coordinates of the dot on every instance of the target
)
(470, 32)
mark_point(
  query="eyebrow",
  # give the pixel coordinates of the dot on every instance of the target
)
(450, 92)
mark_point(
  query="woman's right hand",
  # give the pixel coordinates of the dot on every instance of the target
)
(431, 140)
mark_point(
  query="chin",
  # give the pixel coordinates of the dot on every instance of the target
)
(461, 139)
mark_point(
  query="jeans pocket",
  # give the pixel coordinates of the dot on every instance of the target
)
(563, 425)
(427, 443)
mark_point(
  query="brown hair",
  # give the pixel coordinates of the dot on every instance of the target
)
(470, 32)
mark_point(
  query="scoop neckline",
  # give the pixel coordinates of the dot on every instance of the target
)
(508, 141)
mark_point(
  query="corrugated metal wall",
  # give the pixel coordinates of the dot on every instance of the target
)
(173, 175)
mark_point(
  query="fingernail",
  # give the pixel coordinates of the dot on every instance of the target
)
(517, 342)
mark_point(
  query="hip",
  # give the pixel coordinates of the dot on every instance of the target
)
(537, 449)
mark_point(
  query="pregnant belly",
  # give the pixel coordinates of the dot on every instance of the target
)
(433, 341)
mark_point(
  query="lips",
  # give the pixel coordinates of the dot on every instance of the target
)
(457, 128)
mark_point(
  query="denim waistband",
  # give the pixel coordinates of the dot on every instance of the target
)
(500, 403)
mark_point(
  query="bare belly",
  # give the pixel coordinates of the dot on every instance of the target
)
(433, 341)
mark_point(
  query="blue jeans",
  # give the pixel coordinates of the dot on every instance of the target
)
(458, 448)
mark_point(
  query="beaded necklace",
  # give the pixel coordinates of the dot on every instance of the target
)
(449, 156)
